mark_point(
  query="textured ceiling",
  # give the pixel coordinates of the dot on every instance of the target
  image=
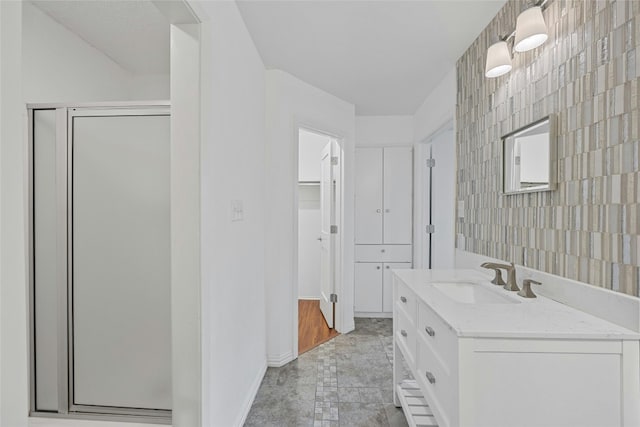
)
(133, 33)
(383, 56)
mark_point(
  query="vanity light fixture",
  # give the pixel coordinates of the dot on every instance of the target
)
(498, 60)
(530, 32)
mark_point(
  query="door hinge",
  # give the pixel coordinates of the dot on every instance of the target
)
(334, 160)
(333, 298)
(430, 229)
(431, 163)
(334, 229)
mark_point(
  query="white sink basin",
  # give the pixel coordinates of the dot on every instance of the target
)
(472, 293)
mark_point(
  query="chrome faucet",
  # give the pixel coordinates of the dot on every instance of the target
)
(511, 284)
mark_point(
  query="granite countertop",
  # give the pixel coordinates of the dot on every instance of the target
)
(525, 318)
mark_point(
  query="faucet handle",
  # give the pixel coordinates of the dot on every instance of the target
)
(498, 280)
(526, 291)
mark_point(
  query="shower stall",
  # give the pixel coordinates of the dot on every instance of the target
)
(100, 261)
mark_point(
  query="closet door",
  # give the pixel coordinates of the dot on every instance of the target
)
(121, 315)
(398, 192)
(368, 206)
(368, 287)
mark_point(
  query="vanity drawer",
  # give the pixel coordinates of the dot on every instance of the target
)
(439, 385)
(406, 333)
(383, 253)
(405, 300)
(439, 336)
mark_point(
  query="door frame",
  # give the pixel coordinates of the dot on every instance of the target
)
(422, 197)
(338, 258)
(65, 112)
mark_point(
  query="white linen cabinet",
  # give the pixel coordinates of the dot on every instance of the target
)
(383, 225)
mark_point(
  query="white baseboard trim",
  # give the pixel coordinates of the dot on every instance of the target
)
(309, 298)
(278, 361)
(374, 315)
(253, 391)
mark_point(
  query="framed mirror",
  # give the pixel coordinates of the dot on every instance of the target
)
(529, 158)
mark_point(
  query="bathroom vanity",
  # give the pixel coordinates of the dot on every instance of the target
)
(483, 356)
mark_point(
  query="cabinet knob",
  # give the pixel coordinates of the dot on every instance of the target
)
(377, 267)
(403, 333)
(403, 299)
(383, 250)
(378, 210)
(387, 267)
(430, 377)
(387, 210)
(429, 330)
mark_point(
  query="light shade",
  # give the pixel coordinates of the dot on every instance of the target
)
(498, 60)
(531, 31)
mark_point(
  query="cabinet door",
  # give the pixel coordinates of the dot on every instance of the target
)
(368, 287)
(368, 207)
(398, 193)
(387, 283)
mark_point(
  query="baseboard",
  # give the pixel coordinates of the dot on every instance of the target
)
(374, 315)
(278, 361)
(246, 407)
(309, 298)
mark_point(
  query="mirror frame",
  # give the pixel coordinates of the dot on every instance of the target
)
(553, 156)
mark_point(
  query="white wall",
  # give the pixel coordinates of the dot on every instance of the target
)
(438, 108)
(58, 66)
(13, 290)
(232, 168)
(310, 149)
(186, 348)
(151, 87)
(384, 130)
(308, 244)
(292, 103)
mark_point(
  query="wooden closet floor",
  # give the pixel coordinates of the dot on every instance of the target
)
(312, 328)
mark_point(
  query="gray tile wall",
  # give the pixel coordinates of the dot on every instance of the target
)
(586, 74)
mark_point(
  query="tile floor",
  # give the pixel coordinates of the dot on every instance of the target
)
(344, 382)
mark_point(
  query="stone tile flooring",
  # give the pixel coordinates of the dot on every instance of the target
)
(344, 382)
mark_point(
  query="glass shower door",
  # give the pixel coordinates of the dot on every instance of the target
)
(120, 346)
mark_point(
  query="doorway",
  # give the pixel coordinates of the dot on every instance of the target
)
(319, 182)
(436, 225)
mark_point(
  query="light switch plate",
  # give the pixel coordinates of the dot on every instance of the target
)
(237, 210)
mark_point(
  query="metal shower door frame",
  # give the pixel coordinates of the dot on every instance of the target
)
(65, 114)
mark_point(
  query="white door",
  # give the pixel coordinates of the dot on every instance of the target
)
(398, 194)
(368, 287)
(121, 312)
(327, 214)
(368, 207)
(443, 200)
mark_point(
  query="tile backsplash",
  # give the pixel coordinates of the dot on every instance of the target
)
(586, 75)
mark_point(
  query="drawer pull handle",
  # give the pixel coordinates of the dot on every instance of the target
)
(403, 299)
(403, 333)
(429, 330)
(431, 378)
(377, 267)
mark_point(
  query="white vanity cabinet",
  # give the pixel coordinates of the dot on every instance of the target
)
(511, 376)
(383, 225)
